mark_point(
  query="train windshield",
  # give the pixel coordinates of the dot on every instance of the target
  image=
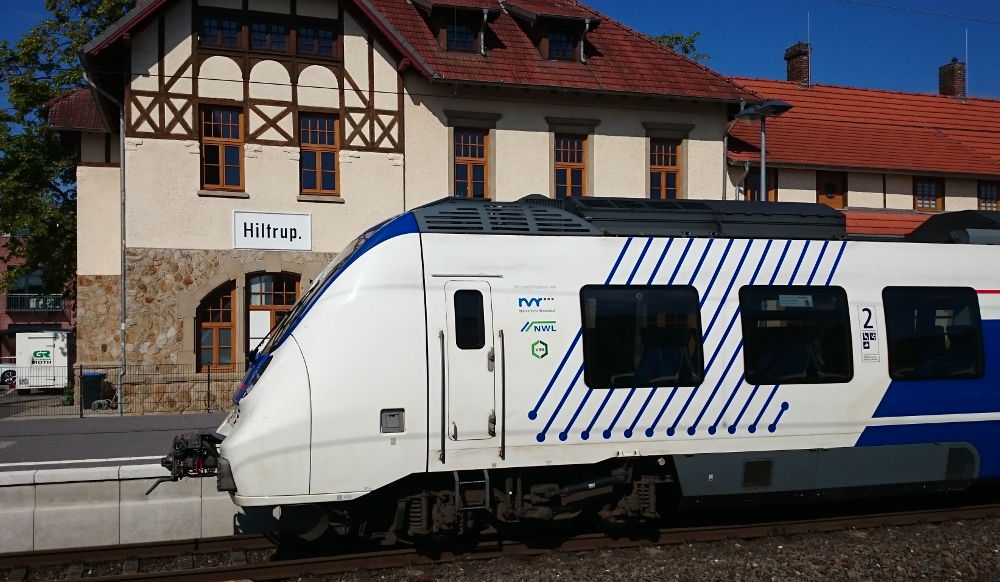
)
(280, 331)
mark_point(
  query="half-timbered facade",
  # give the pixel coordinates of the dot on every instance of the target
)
(262, 136)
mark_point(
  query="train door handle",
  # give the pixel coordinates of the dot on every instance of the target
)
(491, 426)
(454, 431)
(491, 360)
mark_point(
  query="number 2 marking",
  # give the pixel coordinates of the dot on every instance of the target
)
(868, 321)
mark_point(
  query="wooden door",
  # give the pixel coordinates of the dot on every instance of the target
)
(831, 189)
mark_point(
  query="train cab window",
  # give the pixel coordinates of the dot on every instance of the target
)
(637, 336)
(470, 320)
(796, 335)
(934, 333)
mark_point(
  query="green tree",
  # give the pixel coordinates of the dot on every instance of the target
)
(683, 44)
(37, 172)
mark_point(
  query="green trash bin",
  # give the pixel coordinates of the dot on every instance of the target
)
(91, 387)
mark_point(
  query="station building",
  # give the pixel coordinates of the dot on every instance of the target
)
(262, 136)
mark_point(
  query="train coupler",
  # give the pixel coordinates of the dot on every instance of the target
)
(193, 455)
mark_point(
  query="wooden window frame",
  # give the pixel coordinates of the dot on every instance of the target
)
(318, 26)
(204, 323)
(664, 170)
(269, 48)
(470, 162)
(274, 308)
(568, 167)
(547, 45)
(938, 195)
(220, 17)
(981, 202)
(222, 143)
(319, 149)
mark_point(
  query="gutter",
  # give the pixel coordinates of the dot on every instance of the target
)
(396, 39)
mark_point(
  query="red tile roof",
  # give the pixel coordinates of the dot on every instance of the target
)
(76, 110)
(851, 128)
(472, 4)
(622, 60)
(559, 8)
(883, 223)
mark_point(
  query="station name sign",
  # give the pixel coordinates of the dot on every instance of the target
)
(272, 231)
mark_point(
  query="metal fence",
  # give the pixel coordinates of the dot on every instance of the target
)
(54, 391)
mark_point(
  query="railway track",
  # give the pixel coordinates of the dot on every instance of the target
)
(253, 557)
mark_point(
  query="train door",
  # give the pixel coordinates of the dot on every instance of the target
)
(470, 359)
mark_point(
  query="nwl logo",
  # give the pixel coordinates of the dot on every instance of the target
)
(538, 326)
(532, 301)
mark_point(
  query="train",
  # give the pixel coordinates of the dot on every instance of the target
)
(472, 364)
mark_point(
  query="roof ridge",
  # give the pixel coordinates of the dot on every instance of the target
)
(872, 90)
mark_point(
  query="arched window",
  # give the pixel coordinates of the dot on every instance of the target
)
(270, 297)
(216, 330)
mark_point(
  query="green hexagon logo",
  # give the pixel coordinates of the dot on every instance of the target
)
(539, 349)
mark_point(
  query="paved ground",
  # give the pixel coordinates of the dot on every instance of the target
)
(51, 443)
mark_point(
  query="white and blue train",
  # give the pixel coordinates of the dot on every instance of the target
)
(538, 359)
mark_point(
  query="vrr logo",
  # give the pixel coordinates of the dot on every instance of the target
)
(539, 349)
(532, 301)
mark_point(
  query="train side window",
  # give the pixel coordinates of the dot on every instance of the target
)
(796, 335)
(637, 336)
(470, 322)
(934, 333)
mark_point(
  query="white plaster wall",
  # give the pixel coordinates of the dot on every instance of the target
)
(177, 46)
(864, 190)
(521, 146)
(795, 185)
(386, 80)
(281, 6)
(270, 80)
(317, 8)
(620, 164)
(702, 177)
(145, 59)
(961, 194)
(318, 87)
(355, 60)
(899, 191)
(165, 211)
(97, 207)
(220, 78)
(92, 147)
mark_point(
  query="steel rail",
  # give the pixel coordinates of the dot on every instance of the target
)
(491, 549)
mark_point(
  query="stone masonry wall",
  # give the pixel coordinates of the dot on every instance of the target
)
(163, 289)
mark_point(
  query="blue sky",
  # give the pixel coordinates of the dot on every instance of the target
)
(879, 44)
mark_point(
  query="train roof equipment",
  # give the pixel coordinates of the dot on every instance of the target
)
(540, 215)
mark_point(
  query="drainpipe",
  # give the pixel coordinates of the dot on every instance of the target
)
(121, 217)
(482, 33)
(583, 39)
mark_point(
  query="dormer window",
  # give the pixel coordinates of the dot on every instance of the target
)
(460, 36)
(562, 46)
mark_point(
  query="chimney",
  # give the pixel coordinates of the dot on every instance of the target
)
(951, 79)
(797, 57)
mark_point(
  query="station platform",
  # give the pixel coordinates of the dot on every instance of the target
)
(82, 482)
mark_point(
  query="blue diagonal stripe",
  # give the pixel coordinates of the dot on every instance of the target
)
(533, 413)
